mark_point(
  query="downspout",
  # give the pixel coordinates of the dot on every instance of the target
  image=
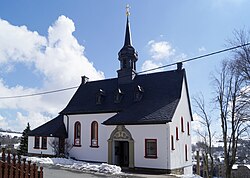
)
(67, 127)
(168, 147)
(66, 140)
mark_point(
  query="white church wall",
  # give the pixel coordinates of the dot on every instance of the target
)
(47, 151)
(85, 151)
(178, 155)
(100, 154)
(166, 157)
(142, 132)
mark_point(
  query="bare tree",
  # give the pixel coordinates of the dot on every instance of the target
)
(206, 134)
(57, 147)
(233, 107)
(241, 56)
(67, 147)
(232, 98)
(240, 64)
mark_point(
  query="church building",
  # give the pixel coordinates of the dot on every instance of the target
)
(134, 121)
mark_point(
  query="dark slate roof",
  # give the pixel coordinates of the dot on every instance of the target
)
(54, 128)
(161, 94)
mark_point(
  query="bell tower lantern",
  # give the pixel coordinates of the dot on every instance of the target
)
(127, 57)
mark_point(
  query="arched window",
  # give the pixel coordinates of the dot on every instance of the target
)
(94, 134)
(186, 152)
(182, 124)
(172, 142)
(177, 133)
(77, 136)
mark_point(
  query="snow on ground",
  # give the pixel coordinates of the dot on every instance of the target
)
(16, 146)
(11, 134)
(188, 176)
(77, 165)
(84, 166)
(235, 166)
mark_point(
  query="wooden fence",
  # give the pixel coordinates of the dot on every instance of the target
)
(10, 167)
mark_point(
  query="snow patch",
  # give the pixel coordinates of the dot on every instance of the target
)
(189, 176)
(78, 165)
(235, 166)
(11, 134)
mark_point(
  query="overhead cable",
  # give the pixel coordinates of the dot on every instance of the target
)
(156, 68)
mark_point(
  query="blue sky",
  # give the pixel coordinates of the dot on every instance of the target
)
(49, 45)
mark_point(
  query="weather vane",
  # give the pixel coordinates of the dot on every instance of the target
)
(127, 10)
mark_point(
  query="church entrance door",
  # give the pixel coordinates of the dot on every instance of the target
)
(122, 153)
(121, 147)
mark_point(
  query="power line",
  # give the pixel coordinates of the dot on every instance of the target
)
(36, 94)
(156, 68)
(195, 58)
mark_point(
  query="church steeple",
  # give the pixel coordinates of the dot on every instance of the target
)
(127, 57)
(127, 41)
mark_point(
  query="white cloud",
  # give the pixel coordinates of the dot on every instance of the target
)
(149, 64)
(59, 58)
(202, 49)
(34, 119)
(18, 43)
(5, 69)
(160, 50)
(161, 53)
(3, 123)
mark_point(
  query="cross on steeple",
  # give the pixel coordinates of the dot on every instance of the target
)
(127, 56)
(127, 10)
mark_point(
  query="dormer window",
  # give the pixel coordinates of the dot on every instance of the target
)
(100, 96)
(118, 96)
(138, 93)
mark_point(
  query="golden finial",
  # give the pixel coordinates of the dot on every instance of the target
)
(127, 10)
